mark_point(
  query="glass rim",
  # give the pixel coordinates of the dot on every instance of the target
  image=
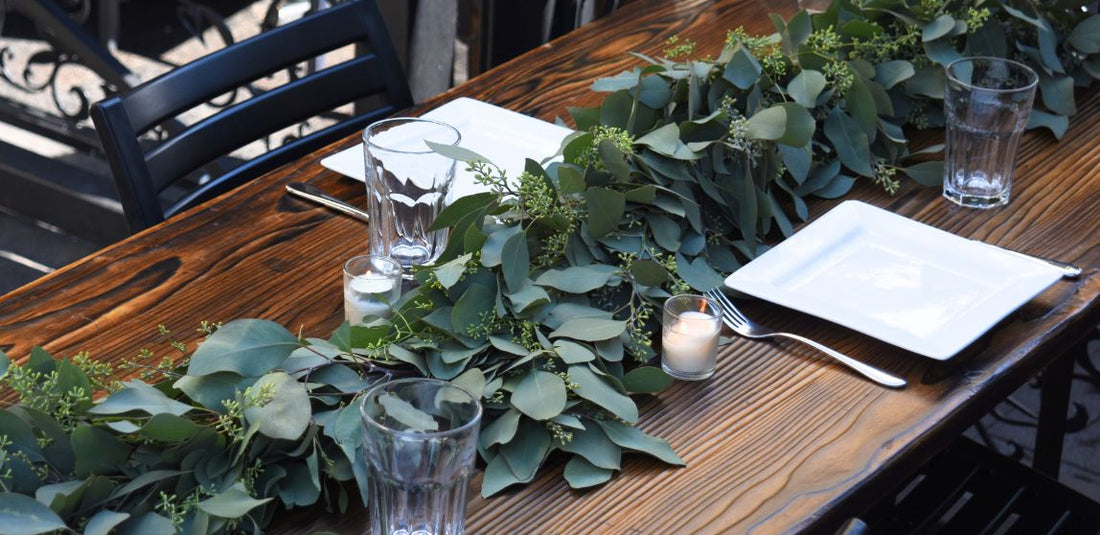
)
(395, 120)
(1033, 77)
(392, 265)
(474, 420)
(711, 303)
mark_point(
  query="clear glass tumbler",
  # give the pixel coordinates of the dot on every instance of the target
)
(372, 284)
(988, 102)
(408, 184)
(421, 442)
(689, 336)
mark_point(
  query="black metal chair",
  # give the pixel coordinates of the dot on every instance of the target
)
(148, 177)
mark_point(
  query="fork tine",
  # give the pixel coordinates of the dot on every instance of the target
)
(729, 314)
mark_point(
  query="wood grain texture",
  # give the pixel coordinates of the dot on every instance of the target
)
(781, 440)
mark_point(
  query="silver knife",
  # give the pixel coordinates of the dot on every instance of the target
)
(313, 193)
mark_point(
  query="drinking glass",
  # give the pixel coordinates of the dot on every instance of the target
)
(988, 102)
(421, 441)
(372, 284)
(407, 186)
(689, 336)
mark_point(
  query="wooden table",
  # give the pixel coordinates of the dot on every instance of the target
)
(779, 440)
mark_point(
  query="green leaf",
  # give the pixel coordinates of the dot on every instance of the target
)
(742, 70)
(5, 363)
(103, 521)
(632, 439)
(166, 427)
(147, 524)
(493, 250)
(646, 380)
(605, 209)
(648, 272)
(455, 152)
(852, 145)
(666, 142)
(97, 451)
(540, 395)
(23, 514)
(787, 123)
(500, 430)
(592, 444)
(577, 279)
(1057, 94)
(448, 274)
(698, 273)
(613, 159)
(1057, 124)
(572, 352)
(515, 261)
(287, 415)
(247, 347)
(136, 396)
(233, 503)
(806, 86)
(926, 173)
(597, 390)
(211, 390)
(497, 477)
(589, 329)
(928, 82)
(580, 473)
(525, 453)
(893, 72)
(462, 207)
(529, 295)
(406, 414)
(938, 28)
(470, 310)
(1086, 35)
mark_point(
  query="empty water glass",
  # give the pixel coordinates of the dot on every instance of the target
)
(407, 186)
(420, 438)
(988, 102)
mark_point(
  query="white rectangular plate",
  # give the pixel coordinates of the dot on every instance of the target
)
(906, 283)
(504, 137)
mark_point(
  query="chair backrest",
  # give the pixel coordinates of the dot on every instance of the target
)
(372, 78)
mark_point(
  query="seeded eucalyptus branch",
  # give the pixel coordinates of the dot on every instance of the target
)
(544, 300)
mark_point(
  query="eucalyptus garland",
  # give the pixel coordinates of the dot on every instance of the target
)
(544, 299)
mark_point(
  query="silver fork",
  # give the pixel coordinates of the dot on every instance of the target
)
(749, 329)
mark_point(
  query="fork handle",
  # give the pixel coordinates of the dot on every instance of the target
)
(866, 370)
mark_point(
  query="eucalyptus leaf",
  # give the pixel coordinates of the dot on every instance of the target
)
(647, 380)
(540, 395)
(596, 390)
(805, 87)
(103, 521)
(589, 329)
(287, 414)
(403, 412)
(23, 514)
(592, 444)
(633, 439)
(136, 396)
(577, 279)
(526, 452)
(580, 473)
(247, 347)
(232, 503)
(501, 429)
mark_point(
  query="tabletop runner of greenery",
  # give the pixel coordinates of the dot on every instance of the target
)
(545, 299)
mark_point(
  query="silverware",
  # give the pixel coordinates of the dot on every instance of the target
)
(749, 329)
(1069, 271)
(313, 193)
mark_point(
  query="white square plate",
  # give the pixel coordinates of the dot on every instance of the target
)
(504, 137)
(906, 283)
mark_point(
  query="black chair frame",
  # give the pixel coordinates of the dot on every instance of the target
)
(142, 176)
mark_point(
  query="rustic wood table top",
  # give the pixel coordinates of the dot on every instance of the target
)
(779, 440)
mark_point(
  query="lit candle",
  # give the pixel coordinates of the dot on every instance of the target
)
(689, 337)
(367, 295)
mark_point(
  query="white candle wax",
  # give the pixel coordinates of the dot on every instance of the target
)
(691, 343)
(368, 295)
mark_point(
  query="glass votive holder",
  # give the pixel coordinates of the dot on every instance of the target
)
(689, 336)
(372, 284)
